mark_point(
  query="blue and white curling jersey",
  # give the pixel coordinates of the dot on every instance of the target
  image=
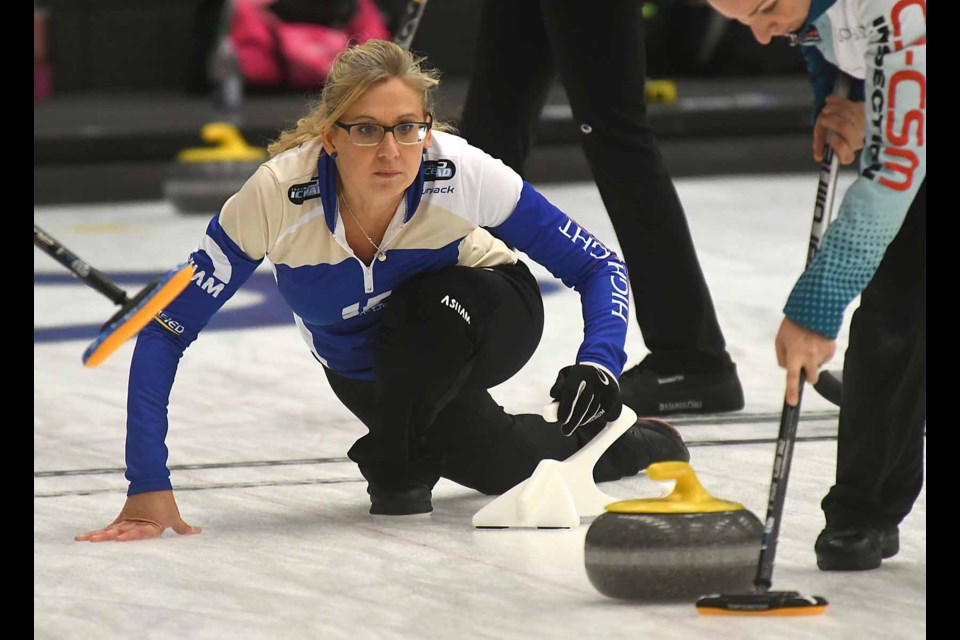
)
(883, 43)
(287, 214)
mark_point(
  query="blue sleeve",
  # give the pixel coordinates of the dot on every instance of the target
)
(221, 268)
(576, 257)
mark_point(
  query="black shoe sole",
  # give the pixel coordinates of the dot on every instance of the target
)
(400, 503)
(859, 552)
(826, 562)
(400, 510)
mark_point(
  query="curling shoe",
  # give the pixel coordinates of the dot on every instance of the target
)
(651, 393)
(649, 440)
(858, 548)
(405, 501)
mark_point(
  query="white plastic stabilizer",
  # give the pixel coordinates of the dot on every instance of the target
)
(558, 493)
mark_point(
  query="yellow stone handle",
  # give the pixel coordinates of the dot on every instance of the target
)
(688, 495)
(688, 486)
(229, 146)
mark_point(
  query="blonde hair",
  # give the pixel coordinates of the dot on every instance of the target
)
(355, 70)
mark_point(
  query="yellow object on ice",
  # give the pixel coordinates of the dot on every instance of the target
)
(661, 91)
(688, 495)
(230, 146)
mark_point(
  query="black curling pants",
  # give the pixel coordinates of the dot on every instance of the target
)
(880, 446)
(599, 52)
(445, 339)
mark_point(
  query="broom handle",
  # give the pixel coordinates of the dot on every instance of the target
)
(790, 416)
(78, 267)
(409, 22)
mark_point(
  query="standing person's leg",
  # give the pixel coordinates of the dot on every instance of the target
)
(511, 77)
(602, 63)
(883, 412)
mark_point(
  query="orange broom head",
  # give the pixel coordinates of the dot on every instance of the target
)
(771, 603)
(138, 315)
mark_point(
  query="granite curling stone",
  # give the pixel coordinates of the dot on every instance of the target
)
(674, 548)
(203, 178)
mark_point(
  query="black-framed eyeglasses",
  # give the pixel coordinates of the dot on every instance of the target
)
(369, 134)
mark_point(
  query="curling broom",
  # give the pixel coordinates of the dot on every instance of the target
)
(763, 601)
(134, 312)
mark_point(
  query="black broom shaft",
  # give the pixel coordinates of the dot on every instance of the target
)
(790, 416)
(409, 23)
(77, 266)
(789, 419)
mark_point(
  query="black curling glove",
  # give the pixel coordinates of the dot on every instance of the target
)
(585, 393)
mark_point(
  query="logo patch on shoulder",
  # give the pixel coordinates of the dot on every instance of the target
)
(438, 169)
(299, 193)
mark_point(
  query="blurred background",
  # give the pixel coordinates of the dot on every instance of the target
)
(121, 87)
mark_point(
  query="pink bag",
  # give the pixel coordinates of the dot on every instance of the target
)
(297, 55)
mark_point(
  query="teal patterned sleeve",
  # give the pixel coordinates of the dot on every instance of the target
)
(892, 168)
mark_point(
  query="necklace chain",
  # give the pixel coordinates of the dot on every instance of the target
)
(346, 204)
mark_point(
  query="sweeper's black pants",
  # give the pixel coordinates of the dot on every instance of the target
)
(880, 446)
(600, 55)
(445, 339)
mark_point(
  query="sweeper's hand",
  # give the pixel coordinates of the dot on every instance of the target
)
(144, 516)
(801, 349)
(843, 119)
(584, 393)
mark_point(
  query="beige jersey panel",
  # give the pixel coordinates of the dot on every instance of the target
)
(482, 249)
(434, 227)
(264, 223)
(309, 242)
(253, 217)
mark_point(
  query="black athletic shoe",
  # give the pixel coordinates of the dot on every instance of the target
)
(400, 502)
(646, 442)
(855, 548)
(650, 393)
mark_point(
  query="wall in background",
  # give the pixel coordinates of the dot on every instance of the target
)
(147, 45)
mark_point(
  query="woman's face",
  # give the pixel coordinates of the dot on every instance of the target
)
(766, 18)
(388, 167)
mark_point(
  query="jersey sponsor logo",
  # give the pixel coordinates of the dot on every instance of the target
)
(889, 151)
(578, 235)
(447, 301)
(299, 193)
(438, 169)
(619, 291)
(619, 287)
(374, 304)
(446, 189)
(858, 32)
(169, 323)
(211, 285)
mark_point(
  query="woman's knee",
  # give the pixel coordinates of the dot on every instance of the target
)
(423, 312)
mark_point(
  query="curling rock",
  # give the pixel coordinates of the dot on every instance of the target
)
(675, 548)
(202, 178)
